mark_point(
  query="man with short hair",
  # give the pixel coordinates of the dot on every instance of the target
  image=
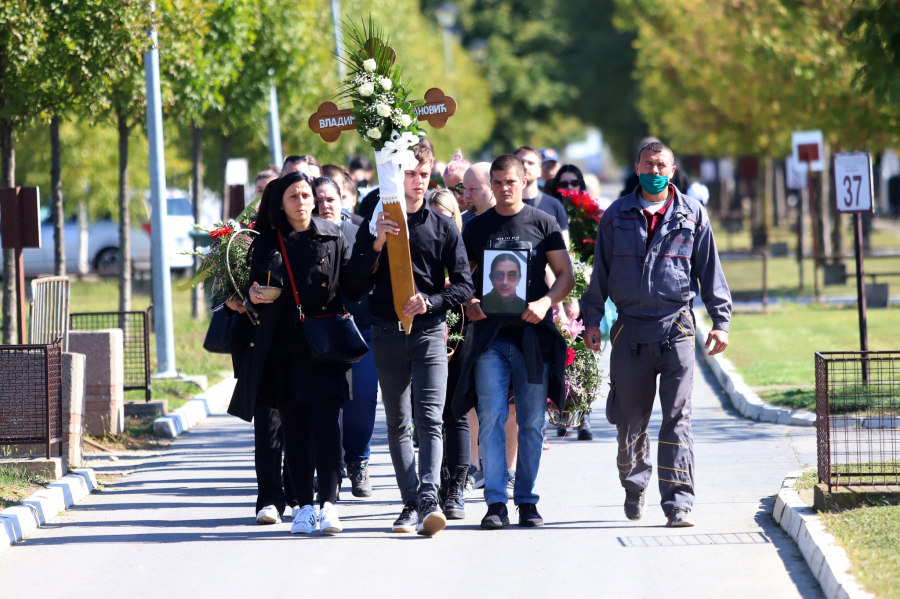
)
(533, 196)
(305, 164)
(549, 165)
(661, 245)
(263, 178)
(361, 171)
(412, 369)
(478, 195)
(526, 350)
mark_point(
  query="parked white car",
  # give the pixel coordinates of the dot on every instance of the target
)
(103, 242)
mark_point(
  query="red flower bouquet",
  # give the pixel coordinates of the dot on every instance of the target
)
(584, 215)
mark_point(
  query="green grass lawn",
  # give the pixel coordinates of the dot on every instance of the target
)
(778, 348)
(17, 484)
(871, 537)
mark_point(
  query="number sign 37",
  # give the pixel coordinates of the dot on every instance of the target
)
(853, 181)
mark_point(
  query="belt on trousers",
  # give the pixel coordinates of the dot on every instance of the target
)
(419, 322)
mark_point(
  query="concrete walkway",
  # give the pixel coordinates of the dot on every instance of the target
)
(182, 526)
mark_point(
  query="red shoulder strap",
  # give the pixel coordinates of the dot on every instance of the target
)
(287, 265)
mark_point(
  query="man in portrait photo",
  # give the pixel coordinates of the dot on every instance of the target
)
(504, 275)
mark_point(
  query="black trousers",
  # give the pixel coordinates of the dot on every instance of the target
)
(456, 430)
(312, 445)
(272, 477)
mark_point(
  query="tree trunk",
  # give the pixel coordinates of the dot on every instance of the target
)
(781, 213)
(8, 149)
(56, 201)
(223, 162)
(124, 218)
(197, 307)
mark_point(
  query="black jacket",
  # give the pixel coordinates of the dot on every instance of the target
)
(317, 272)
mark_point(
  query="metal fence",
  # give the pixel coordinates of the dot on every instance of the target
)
(136, 336)
(858, 417)
(747, 274)
(31, 394)
(50, 311)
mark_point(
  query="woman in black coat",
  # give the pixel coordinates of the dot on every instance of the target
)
(278, 366)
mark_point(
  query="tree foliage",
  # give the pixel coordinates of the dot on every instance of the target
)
(874, 32)
(738, 77)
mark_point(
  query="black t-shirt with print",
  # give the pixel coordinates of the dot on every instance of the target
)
(528, 225)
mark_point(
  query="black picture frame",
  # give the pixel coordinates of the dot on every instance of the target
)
(494, 300)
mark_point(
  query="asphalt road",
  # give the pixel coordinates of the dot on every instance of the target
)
(183, 526)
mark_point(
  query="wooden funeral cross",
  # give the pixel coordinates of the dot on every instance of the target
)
(328, 121)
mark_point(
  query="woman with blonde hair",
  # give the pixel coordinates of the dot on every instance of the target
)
(443, 201)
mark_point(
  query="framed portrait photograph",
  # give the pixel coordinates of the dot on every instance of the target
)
(504, 281)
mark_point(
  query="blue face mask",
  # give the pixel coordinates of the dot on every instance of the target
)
(654, 184)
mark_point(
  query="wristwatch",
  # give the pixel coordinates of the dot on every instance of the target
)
(429, 306)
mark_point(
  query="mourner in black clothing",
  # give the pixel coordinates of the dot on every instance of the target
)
(416, 362)
(277, 368)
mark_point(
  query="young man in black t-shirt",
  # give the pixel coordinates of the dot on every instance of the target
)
(533, 196)
(519, 340)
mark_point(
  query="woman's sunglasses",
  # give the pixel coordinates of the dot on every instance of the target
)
(570, 183)
(459, 190)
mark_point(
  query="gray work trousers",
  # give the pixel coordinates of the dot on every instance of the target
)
(633, 371)
(412, 372)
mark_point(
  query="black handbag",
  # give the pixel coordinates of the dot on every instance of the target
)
(218, 336)
(332, 338)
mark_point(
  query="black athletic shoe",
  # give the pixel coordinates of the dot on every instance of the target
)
(359, 477)
(584, 431)
(454, 505)
(561, 431)
(408, 519)
(635, 502)
(431, 519)
(529, 516)
(497, 516)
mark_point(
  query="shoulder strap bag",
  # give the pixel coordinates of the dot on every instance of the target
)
(332, 338)
(218, 336)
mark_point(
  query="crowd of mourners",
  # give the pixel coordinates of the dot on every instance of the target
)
(465, 404)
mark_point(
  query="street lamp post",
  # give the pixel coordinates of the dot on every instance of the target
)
(274, 125)
(446, 14)
(338, 37)
(162, 277)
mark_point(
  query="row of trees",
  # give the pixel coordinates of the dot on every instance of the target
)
(72, 95)
(727, 78)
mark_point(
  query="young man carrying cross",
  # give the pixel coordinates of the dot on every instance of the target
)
(412, 369)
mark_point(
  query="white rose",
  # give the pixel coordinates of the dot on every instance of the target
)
(405, 120)
(369, 65)
(367, 89)
(383, 110)
(374, 133)
(385, 83)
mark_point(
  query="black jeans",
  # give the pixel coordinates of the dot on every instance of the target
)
(457, 445)
(312, 444)
(272, 478)
(417, 361)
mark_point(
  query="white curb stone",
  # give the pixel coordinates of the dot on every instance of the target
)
(743, 398)
(89, 477)
(827, 561)
(212, 401)
(19, 521)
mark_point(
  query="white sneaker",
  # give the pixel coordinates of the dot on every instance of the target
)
(329, 523)
(305, 521)
(268, 515)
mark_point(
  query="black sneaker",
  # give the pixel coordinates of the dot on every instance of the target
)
(431, 519)
(634, 504)
(497, 517)
(358, 473)
(529, 516)
(561, 431)
(681, 517)
(408, 518)
(454, 505)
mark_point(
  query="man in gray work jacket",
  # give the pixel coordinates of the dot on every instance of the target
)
(655, 253)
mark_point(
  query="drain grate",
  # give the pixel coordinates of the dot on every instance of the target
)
(728, 538)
